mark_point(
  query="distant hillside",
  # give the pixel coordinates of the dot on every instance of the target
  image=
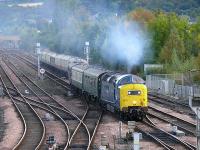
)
(182, 7)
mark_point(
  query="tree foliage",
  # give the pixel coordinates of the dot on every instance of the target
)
(141, 15)
(174, 37)
(174, 43)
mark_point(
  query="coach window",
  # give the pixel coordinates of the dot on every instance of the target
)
(52, 60)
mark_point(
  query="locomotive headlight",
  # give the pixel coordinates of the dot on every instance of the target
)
(134, 102)
(134, 92)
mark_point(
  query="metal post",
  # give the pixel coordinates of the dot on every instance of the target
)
(195, 108)
(136, 141)
(120, 130)
(87, 51)
(114, 141)
(182, 79)
(38, 66)
(38, 55)
(198, 129)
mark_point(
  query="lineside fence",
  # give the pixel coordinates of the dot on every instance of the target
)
(175, 85)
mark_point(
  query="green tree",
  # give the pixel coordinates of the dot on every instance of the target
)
(195, 37)
(174, 42)
(159, 31)
(141, 15)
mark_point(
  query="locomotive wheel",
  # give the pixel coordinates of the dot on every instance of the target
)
(126, 117)
(140, 118)
(123, 116)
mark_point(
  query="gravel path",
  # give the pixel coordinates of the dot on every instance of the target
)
(14, 126)
(110, 127)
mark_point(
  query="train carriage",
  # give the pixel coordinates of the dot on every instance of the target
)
(63, 62)
(47, 58)
(44, 57)
(91, 81)
(77, 75)
(58, 61)
(53, 60)
(125, 94)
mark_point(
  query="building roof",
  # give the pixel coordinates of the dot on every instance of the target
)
(26, 5)
(9, 38)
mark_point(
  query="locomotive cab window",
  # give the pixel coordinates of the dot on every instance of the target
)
(134, 92)
(125, 80)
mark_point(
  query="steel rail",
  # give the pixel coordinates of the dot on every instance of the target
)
(90, 139)
(66, 125)
(49, 74)
(165, 145)
(81, 120)
(189, 146)
(31, 64)
(172, 104)
(34, 112)
(20, 114)
(94, 132)
(170, 119)
(78, 127)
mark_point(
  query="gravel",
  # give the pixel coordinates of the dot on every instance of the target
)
(14, 126)
(110, 127)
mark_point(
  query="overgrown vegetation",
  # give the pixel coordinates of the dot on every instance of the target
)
(173, 29)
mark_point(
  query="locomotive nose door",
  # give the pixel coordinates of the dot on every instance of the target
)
(132, 95)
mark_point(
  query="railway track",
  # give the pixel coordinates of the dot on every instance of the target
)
(164, 144)
(80, 132)
(63, 82)
(93, 125)
(52, 102)
(39, 106)
(176, 105)
(34, 129)
(180, 123)
(47, 101)
(165, 139)
(92, 118)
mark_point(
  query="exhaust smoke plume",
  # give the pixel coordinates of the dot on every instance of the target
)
(125, 42)
(64, 27)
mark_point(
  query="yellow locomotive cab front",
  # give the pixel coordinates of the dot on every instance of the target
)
(133, 96)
